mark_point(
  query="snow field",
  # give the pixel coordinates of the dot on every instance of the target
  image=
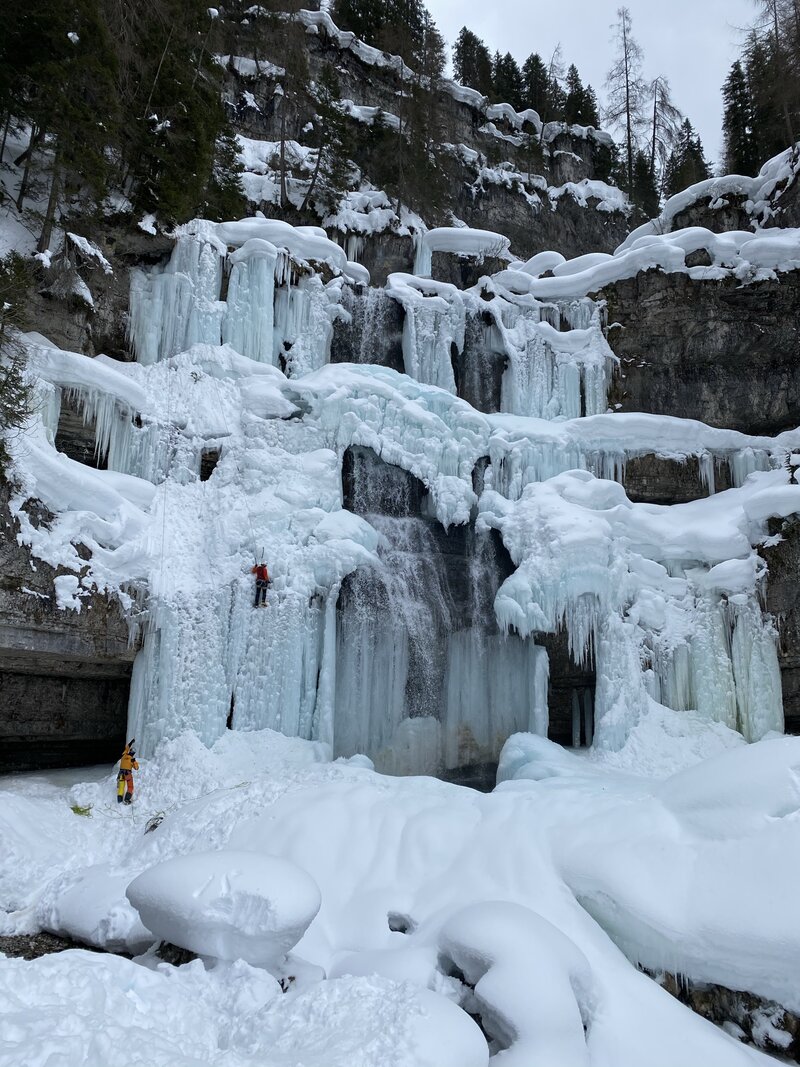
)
(482, 884)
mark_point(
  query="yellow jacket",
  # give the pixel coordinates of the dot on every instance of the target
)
(128, 762)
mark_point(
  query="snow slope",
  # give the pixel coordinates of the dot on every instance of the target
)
(482, 885)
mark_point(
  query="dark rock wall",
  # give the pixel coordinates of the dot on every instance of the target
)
(783, 602)
(568, 228)
(64, 675)
(717, 351)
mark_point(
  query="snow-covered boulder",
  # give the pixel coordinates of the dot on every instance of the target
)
(533, 986)
(228, 904)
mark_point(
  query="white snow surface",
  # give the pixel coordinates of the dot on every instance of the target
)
(515, 889)
(227, 904)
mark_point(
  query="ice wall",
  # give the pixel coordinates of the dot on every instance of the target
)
(397, 624)
(275, 309)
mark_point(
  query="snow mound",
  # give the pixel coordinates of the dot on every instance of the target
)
(231, 905)
(532, 983)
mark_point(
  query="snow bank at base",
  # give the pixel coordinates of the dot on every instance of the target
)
(418, 853)
(230, 905)
(83, 1008)
(694, 878)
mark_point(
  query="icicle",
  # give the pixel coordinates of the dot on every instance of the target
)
(707, 473)
(744, 462)
(248, 321)
(759, 697)
(423, 257)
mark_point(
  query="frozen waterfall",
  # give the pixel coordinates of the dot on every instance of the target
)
(435, 482)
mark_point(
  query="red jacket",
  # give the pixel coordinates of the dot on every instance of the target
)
(261, 572)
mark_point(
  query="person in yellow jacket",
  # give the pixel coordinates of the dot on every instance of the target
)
(127, 765)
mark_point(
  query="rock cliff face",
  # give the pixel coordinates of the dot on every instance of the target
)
(717, 351)
(783, 602)
(64, 675)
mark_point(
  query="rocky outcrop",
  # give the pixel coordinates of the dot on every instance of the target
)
(718, 351)
(783, 603)
(754, 1020)
(563, 226)
(64, 674)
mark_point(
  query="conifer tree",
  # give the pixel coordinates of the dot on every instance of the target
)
(364, 18)
(536, 86)
(645, 191)
(741, 156)
(580, 104)
(472, 62)
(508, 86)
(687, 163)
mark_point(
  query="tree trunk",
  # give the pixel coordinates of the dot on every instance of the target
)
(628, 119)
(5, 136)
(315, 175)
(28, 154)
(52, 200)
(655, 127)
(284, 194)
(158, 71)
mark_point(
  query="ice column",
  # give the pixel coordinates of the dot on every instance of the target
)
(247, 324)
(173, 308)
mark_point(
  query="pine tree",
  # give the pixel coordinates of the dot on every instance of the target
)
(591, 112)
(536, 86)
(625, 106)
(574, 98)
(364, 18)
(645, 192)
(687, 163)
(507, 83)
(741, 156)
(472, 62)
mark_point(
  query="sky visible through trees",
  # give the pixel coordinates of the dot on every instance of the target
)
(692, 43)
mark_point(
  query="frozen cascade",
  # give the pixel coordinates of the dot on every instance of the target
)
(177, 305)
(553, 373)
(423, 682)
(372, 317)
(433, 328)
(303, 326)
(402, 636)
(676, 631)
(267, 313)
(424, 679)
(247, 324)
